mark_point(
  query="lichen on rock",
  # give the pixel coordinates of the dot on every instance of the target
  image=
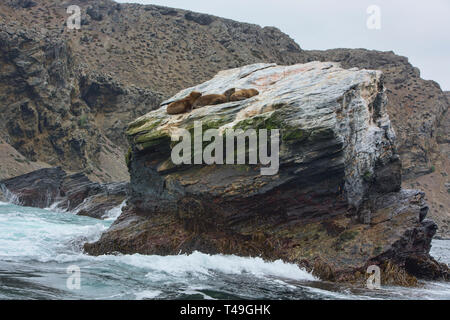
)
(335, 206)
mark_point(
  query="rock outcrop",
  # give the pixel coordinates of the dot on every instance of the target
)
(53, 187)
(67, 96)
(13, 164)
(335, 205)
(139, 55)
(415, 106)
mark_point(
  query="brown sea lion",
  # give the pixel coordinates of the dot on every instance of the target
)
(213, 99)
(229, 93)
(243, 94)
(183, 105)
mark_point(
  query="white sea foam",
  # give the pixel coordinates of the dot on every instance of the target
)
(205, 264)
(196, 291)
(46, 239)
(9, 196)
(55, 207)
(147, 294)
(49, 236)
(41, 235)
(440, 250)
(114, 213)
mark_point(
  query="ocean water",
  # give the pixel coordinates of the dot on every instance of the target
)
(39, 248)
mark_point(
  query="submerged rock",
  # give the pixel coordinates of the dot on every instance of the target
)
(53, 187)
(335, 205)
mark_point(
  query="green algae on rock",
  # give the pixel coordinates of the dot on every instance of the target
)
(320, 210)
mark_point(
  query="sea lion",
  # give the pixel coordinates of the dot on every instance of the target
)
(243, 94)
(213, 99)
(183, 105)
(229, 93)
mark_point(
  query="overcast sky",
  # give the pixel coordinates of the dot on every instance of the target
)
(417, 29)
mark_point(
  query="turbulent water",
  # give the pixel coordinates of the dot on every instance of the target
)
(38, 248)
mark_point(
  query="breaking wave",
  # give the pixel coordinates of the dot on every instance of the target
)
(37, 246)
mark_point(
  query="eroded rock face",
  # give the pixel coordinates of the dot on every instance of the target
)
(53, 187)
(417, 107)
(55, 112)
(152, 52)
(334, 206)
(67, 96)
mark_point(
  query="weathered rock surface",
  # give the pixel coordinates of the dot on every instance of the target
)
(57, 113)
(152, 51)
(335, 206)
(418, 110)
(13, 164)
(53, 187)
(67, 96)
(416, 107)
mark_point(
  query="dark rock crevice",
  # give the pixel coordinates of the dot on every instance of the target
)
(53, 187)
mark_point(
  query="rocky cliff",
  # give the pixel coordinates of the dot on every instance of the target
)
(419, 113)
(13, 163)
(335, 204)
(64, 91)
(51, 106)
(68, 95)
(54, 188)
(415, 106)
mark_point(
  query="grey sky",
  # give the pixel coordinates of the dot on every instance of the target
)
(417, 29)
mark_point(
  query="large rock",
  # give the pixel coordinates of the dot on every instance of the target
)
(334, 206)
(146, 53)
(417, 107)
(66, 97)
(53, 187)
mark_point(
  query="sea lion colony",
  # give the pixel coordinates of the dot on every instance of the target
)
(196, 100)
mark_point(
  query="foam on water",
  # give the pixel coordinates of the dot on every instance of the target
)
(44, 243)
(204, 264)
(440, 250)
(114, 213)
(53, 237)
(147, 294)
(10, 197)
(55, 207)
(40, 234)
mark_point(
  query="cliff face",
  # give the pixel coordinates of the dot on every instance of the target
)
(63, 91)
(334, 206)
(53, 187)
(67, 96)
(416, 106)
(13, 164)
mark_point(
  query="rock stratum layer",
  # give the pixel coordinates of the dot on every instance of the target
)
(335, 206)
(54, 188)
(127, 58)
(67, 96)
